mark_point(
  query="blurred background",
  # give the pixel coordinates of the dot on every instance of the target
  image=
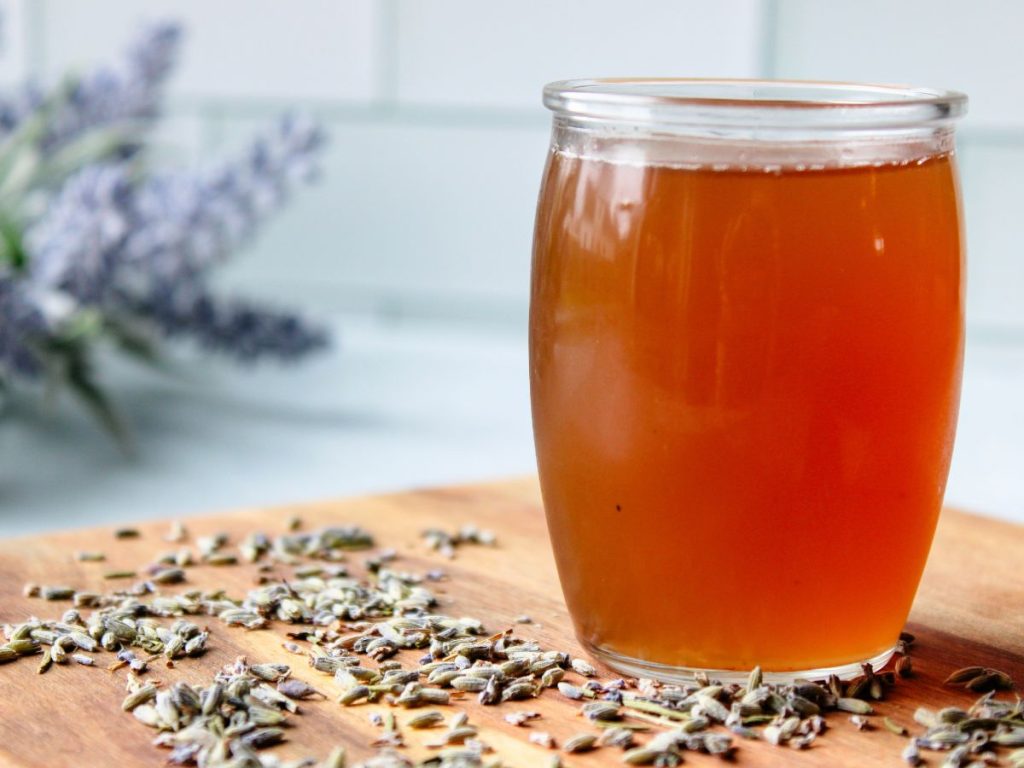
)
(415, 245)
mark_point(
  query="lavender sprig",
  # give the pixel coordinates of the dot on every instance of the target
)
(234, 327)
(146, 248)
(124, 96)
(186, 223)
(77, 245)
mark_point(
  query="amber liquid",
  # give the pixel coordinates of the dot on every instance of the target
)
(745, 387)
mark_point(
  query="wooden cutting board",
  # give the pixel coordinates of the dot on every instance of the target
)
(970, 610)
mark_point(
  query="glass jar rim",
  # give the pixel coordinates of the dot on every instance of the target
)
(776, 105)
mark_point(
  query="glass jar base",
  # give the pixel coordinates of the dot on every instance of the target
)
(666, 673)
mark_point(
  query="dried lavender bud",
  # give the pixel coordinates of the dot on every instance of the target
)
(583, 667)
(581, 742)
(570, 691)
(543, 739)
(296, 689)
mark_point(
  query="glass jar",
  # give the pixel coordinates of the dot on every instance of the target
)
(746, 342)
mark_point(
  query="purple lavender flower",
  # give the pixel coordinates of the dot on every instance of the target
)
(21, 325)
(146, 248)
(194, 221)
(233, 327)
(82, 234)
(121, 95)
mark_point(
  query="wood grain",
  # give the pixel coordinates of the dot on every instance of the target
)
(970, 609)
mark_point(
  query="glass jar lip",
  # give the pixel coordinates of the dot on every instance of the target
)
(770, 104)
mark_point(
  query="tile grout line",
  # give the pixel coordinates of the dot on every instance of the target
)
(384, 108)
(211, 134)
(387, 54)
(35, 13)
(769, 42)
(363, 112)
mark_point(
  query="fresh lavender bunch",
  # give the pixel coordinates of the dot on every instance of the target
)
(122, 254)
(145, 249)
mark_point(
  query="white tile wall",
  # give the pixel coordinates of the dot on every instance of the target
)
(431, 179)
(501, 54)
(971, 46)
(407, 213)
(236, 49)
(439, 135)
(993, 176)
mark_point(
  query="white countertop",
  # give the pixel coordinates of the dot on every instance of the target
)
(396, 404)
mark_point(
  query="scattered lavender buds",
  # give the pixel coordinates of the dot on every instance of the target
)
(380, 642)
(445, 542)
